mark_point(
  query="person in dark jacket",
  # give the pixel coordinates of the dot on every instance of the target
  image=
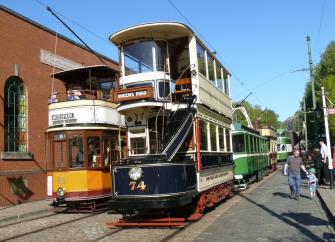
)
(318, 164)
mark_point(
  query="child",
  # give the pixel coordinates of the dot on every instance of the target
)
(312, 181)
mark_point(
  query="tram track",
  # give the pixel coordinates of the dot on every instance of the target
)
(46, 226)
(19, 220)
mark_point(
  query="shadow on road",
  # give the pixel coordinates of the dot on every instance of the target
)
(297, 225)
(286, 195)
(305, 219)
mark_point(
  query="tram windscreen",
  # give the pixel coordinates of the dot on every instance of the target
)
(138, 57)
(76, 152)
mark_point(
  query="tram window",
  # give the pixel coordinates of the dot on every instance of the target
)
(203, 134)
(76, 152)
(212, 134)
(137, 146)
(107, 151)
(93, 153)
(164, 89)
(201, 60)
(160, 48)
(211, 74)
(219, 77)
(179, 57)
(228, 140)
(238, 143)
(221, 139)
(155, 134)
(138, 57)
(226, 90)
(142, 84)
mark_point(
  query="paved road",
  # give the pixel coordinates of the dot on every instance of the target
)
(268, 214)
(262, 213)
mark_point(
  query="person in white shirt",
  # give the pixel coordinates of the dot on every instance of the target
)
(324, 154)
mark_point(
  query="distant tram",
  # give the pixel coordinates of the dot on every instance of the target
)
(84, 137)
(175, 97)
(284, 145)
(251, 155)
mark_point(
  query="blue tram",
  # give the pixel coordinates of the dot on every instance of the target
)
(175, 96)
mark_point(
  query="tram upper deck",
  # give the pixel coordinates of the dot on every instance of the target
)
(167, 63)
(88, 100)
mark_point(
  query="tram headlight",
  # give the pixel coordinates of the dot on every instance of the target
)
(60, 192)
(135, 173)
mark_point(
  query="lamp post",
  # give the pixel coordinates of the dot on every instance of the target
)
(330, 160)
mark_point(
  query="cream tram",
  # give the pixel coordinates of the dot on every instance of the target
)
(84, 137)
(175, 96)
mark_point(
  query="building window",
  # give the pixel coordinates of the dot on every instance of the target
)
(15, 116)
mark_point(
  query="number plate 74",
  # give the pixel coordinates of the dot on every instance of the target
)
(140, 186)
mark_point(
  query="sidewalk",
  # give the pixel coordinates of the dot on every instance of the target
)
(24, 210)
(327, 197)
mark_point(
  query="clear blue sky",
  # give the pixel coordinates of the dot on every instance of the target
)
(260, 41)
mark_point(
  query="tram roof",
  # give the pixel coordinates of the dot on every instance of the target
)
(158, 30)
(83, 72)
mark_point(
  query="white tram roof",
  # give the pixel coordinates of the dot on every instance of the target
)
(158, 30)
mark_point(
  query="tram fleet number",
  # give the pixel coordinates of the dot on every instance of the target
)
(139, 186)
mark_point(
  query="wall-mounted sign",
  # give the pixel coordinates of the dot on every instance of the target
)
(331, 111)
(59, 62)
(133, 94)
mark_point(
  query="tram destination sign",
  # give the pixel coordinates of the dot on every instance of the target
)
(133, 94)
(59, 119)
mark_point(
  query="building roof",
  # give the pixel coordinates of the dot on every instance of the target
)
(15, 14)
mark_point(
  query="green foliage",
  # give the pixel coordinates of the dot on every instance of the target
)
(324, 75)
(258, 116)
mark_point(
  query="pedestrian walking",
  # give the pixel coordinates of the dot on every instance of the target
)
(324, 155)
(292, 169)
(318, 164)
(312, 180)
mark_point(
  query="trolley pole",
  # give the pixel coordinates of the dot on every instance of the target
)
(308, 39)
(330, 160)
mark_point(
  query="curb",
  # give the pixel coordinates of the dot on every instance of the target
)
(329, 214)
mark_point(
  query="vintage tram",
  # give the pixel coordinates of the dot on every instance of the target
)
(284, 145)
(271, 135)
(85, 135)
(175, 96)
(251, 155)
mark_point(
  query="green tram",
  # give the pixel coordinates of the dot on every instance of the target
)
(251, 155)
(284, 145)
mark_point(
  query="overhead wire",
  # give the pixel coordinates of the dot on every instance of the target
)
(74, 22)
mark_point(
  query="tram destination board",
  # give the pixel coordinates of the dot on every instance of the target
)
(133, 94)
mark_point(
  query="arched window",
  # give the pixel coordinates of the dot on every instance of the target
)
(15, 116)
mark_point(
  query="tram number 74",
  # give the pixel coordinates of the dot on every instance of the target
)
(140, 186)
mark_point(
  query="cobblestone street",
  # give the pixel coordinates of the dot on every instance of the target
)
(262, 213)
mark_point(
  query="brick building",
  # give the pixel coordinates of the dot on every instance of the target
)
(27, 59)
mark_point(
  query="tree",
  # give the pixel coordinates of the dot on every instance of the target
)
(258, 116)
(324, 75)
